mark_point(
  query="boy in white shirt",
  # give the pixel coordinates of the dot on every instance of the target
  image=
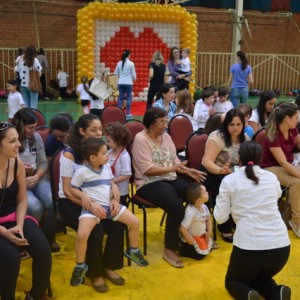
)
(223, 105)
(62, 78)
(14, 100)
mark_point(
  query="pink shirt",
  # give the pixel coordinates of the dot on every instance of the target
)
(146, 154)
(287, 146)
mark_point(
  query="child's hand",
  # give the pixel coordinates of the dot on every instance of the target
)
(211, 111)
(86, 202)
(114, 207)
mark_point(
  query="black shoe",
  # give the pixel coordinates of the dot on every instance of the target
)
(227, 239)
(285, 293)
(253, 295)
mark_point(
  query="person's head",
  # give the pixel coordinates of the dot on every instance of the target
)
(233, 127)
(185, 52)
(246, 109)
(214, 122)
(9, 140)
(241, 57)
(87, 126)
(195, 192)
(126, 54)
(117, 135)
(41, 51)
(223, 93)
(25, 122)
(60, 126)
(11, 85)
(20, 51)
(84, 79)
(214, 89)
(94, 151)
(184, 101)
(167, 92)
(250, 154)
(157, 58)
(284, 114)
(208, 96)
(266, 104)
(174, 54)
(155, 119)
(29, 55)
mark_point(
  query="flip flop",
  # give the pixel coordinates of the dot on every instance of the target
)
(175, 264)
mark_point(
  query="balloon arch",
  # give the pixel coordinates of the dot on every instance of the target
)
(104, 30)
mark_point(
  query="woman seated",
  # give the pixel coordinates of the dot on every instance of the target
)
(281, 138)
(32, 154)
(156, 166)
(17, 230)
(221, 157)
(261, 244)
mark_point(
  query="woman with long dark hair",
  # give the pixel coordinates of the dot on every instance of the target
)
(240, 77)
(261, 244)
(125, 71)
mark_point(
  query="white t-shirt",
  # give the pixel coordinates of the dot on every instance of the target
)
(186, 65)
(14, 101)
(201, 114)
(254, 209)
(24, 70)
(122, 167)
(82, 92)
(62, 78)
(223, 107)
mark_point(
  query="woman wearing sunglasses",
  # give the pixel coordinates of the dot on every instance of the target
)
(17, 230)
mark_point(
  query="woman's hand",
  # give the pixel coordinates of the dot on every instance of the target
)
(196, 174)
(31, 181)
(114, 207)
(86, 202)
(16, 236)
(98, 210)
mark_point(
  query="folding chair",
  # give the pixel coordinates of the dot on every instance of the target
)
(43, 131)
(134, 126)
(112, 113)
(259, 137)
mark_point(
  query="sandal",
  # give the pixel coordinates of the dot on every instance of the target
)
(215, 245)
(176, 264)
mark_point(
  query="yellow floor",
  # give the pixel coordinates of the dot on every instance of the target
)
(197, 280)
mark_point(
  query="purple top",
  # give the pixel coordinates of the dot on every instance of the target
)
(174, 70)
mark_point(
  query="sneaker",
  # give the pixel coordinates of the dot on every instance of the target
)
(78, 274)
(253, 295)
(295, 228)
(285, 293)
(137, 257)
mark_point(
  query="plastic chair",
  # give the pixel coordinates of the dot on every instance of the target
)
(180, 128)
(43, 131)
(41, 120)
(259, 137)
(112, 113)
(134, 126)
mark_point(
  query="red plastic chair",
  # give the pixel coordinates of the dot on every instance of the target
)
(259, 137)
(180, 128)
(195, 147)
(134, 126)
(43, 131)
(41, 120)
(112, 113)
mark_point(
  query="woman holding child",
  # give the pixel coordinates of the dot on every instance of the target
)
(156, 166)
(100, 264)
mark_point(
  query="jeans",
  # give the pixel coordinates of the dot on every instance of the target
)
(30, 97)
(239, 95)
(125, 92)
(40, 199)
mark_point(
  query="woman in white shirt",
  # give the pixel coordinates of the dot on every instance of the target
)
(125, 71)
(261, 244)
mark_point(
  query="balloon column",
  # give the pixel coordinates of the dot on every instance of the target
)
(106, 29)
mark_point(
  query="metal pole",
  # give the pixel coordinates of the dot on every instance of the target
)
(237, 26)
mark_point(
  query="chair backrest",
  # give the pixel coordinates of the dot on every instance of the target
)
(41, 120)
(180, 128)
(195, 147)
(112, 113)
(44, 131)
(134, 126)
(54, 176)
(259, 137)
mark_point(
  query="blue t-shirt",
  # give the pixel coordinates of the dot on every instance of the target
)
(160, 103)
(240, 76)
(249, 131)
(52, 145)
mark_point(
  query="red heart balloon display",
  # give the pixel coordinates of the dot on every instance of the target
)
(142, 49)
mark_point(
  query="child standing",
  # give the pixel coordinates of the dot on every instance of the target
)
(196, 227)
(203, 109)
(117, 139)
(223, 105)
(92, 184)
(83, 92)
(246, 110)
(62, 78)
(14, 100)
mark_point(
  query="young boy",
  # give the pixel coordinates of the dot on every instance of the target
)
(92, 183)
(62, 78)
(14, 100)
(223, 105)
(246, 109)
(196, 227)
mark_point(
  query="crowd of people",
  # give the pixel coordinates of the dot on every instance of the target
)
(242, 177)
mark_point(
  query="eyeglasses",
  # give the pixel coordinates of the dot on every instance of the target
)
(4, 126)
(162, 122)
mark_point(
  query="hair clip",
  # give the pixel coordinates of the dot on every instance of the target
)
(250, 163)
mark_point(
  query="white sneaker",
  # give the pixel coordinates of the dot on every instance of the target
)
(253, 295)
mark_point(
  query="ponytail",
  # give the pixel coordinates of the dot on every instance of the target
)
(243, 58)
(125, 55)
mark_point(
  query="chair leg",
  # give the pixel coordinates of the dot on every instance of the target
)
(127, 245)
(145, 229)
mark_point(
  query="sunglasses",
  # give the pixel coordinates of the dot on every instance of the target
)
(4, 125)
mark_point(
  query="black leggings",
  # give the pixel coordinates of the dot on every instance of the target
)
(40, 252)
(255, 269)
(168, 195)
(112, 258)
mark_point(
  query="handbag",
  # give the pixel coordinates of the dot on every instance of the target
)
(100, 89)
(34, 81)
